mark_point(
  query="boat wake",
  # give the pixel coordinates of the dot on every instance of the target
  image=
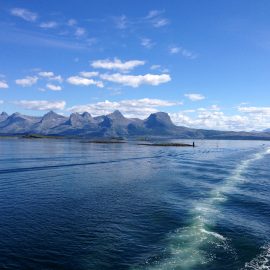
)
(198, 244)
(261, 262)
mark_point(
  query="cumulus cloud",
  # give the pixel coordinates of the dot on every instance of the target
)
(147, 43)
(53, 87)
(184, 52)
(155, 67)
(248, 118)
(130, 108)
(3, 85)
(57, 78)
(89, 74)
(136, 80)
(117, 64)
(27, 81)
(41, 105)
(174, 50)
(24, 14)
(195, 97)
(80, 32)
(255, 110)
(209, 119)
(48, 25)
(77, 80)
(215, 107)
(46, 74)
(51, 76)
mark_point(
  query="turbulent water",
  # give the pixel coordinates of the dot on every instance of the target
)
(73, 205)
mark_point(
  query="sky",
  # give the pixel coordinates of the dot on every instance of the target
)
(205, 62)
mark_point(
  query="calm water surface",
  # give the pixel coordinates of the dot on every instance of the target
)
(72, 205)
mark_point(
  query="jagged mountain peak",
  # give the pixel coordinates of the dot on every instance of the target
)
(75, 115)
(79, 120)
(116, 115)
(159, 119)
(52, 114)
(17, 115)
(86, 115)
(111, 125)
(3, 114)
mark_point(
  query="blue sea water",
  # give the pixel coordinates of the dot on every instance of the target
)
(65, 204)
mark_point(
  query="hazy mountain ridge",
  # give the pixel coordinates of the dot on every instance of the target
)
(112, 125)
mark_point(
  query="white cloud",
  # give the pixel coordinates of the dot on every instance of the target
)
(211, 120)
(27, 81)
(117, 64)
(147, 43)
(77, 80)
(41, 105)
(136, 80)
(71, 22)
(53, 87)
(89, 74)
(160, 22)
(215, 107)
(50, 76)
(130, 108)
(3, 85)
(57, 78)
(153, 13)
(154, 17)
(48, 25)
(80, 32)
(46, 74)
(174, 50)
(195, 97)
(154, 67)
(255, 110)
(248, 119)
(184, 52)
(121, 22)
(24, 14)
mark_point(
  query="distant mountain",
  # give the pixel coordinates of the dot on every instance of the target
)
(267, 130)
(18, 123)
(3, 116)
(49, 121)
(112, 125)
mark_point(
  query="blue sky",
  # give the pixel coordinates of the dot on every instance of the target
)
(207, 63)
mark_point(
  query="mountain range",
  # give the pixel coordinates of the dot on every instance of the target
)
(112, 125)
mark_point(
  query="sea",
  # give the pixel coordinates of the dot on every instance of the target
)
(74, 205)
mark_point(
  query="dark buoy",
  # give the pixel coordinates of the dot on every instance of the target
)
(193, 144)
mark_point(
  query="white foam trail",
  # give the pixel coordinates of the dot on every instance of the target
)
(217, 235)
(261, 262)
(186, 244)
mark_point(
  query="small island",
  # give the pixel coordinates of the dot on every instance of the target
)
(169, 144)
(106, 141)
